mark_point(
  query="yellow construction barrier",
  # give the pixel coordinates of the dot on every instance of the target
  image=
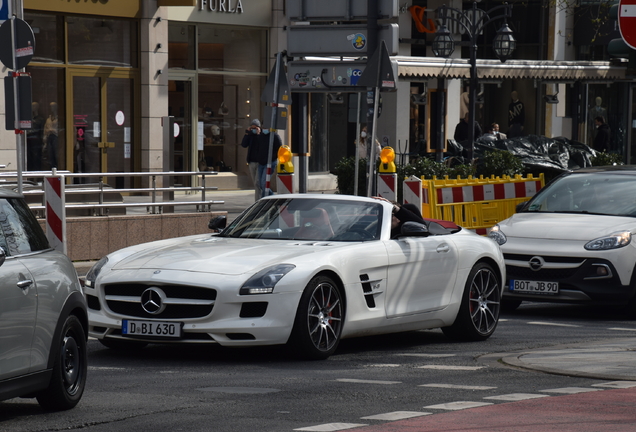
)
(477, 203)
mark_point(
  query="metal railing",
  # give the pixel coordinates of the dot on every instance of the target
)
(160, 197)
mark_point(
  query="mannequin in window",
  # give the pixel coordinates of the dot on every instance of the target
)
(35, 139)
(50, 134)
(516, 116)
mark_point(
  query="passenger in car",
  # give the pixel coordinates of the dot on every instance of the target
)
(402, 213)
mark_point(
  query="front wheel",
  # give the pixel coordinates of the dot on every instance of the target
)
(319, 319)
(69, 370)
(479, 311)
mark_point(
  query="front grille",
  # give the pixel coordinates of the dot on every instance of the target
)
(548, 259)
(513, 272)
(125, 299)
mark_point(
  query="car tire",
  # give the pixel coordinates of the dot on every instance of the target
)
(119, 344)
(510, 305)
(69, 369)
(319, 319)
(479, 310)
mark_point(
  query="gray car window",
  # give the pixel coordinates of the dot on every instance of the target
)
(22, 233)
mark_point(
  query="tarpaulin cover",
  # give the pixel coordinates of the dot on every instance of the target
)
(537, 153)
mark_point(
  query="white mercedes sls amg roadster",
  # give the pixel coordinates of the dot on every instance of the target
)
(303, 270)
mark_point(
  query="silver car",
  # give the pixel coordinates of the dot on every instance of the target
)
(43, 318)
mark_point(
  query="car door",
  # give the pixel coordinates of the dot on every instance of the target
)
(18, 309)
(421, 274)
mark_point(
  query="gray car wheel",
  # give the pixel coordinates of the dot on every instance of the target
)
(69, 370)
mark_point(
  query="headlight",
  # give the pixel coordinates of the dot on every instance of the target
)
(613, 241)
(497, 235)
(94, 272)
(265, 280)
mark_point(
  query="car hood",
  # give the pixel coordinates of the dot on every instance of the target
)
(219, 255)
(553, 226)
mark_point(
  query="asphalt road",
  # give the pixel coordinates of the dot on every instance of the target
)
(370, 384)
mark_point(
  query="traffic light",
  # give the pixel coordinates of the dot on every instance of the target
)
(617, 47)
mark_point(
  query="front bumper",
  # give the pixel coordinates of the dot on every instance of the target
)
(581, 279)
(232, 320)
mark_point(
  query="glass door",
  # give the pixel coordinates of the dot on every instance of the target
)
(180, 107)
(102, 125)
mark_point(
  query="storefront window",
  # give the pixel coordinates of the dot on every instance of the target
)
(318, 145)
(231, 50)
(46, 141)
(181, 46)
(49, 37)
(102, 41)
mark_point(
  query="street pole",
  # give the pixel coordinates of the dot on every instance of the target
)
(272, 124)
(372, 45)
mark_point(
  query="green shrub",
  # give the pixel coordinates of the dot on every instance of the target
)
(499, 163)
(603, 158)
(345, 172)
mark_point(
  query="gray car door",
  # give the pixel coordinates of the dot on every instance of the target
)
(18, 308)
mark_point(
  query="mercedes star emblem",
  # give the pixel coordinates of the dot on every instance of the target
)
(153, 300)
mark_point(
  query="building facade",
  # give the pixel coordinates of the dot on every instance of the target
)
(107, 76)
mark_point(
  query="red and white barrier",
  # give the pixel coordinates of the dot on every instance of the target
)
(488, 192)
(412, 192)
(387, 186)
(55, 212)
(284, 183)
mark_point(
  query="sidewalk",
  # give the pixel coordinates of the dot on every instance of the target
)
(614, 359)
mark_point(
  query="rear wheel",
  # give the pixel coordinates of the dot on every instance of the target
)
(319, 319)
(120, 344)
(69, 370)
(479, 311)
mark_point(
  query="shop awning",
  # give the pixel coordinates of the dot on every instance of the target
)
(417, 68)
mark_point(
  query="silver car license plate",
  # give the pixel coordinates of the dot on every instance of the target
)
(151, 328)
(534, 287)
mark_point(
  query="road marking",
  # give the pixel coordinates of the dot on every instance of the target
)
(617, 384)
(105, 368)
(570, 390)
(359, 381)
(553, 324)
(461, 387)
(622, 329)
(396, 415)
(516, 397)
(454, 406)
(384, 365)
(426, 355)
(328, 427)
(446, 367)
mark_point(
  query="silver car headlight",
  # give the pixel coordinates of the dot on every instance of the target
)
(613, 241)
(92, 274)
(265, 280)
(497, 235)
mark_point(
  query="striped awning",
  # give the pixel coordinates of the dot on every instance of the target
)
(415, 68)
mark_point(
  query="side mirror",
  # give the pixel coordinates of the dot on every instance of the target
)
(521, 206)
(3, 256)
(217, 223)
(414, 229)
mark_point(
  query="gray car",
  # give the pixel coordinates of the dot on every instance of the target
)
(43, 318)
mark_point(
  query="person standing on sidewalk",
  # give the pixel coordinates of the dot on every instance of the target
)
(265, 160)
(251, 141)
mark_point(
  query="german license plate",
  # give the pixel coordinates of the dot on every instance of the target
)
(151, 328)
(534, 287)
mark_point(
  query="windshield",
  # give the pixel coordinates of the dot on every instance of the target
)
(308, 219)
(599, 193)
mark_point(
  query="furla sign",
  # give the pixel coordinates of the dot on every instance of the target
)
(228, 6)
